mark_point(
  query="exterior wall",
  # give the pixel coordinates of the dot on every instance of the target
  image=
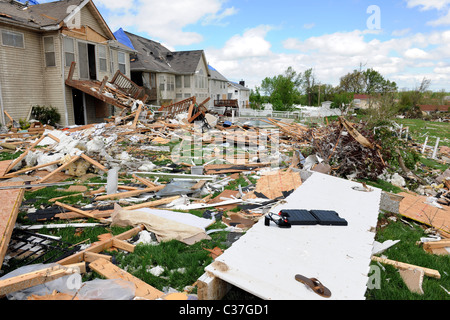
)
(218, 89)
(21, 75)
(202, 71)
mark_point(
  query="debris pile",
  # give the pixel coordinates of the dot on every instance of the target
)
(148, 170)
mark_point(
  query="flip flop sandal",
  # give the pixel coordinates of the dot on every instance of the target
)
(314, 285)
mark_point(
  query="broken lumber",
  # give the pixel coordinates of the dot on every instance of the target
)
(38, 277)
(10, 204)
(405, 266)
(83, 213)
(94, 163)
(152, 204)
(64, 166)
(127, 194)
(13, 174)
(110, 271)
(100, 246)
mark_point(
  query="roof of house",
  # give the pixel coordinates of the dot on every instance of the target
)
(216, 75)
(361, 97)
(238, 86)
(154, 57)
(38, 15)
(429, 107)
(43, 15)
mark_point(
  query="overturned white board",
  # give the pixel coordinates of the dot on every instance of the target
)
(266, 259)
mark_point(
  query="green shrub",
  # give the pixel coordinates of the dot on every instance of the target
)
(46, 115)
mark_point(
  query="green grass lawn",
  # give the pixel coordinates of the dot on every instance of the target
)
(420, 129)
(392, 286)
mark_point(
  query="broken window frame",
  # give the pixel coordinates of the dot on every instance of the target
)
(50, 53)
(69, 56)
(13, 34)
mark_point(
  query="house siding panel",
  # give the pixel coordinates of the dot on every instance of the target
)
(21, 75)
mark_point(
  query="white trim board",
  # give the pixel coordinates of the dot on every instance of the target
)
(266, 259)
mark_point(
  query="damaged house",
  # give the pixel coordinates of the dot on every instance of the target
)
(56, 54)
(167, 76)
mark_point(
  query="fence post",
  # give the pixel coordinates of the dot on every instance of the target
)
(436, 148)
(425, 145)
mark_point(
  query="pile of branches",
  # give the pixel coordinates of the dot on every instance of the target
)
(350, 149)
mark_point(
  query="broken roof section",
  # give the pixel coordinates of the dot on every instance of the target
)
(48, 16)
(154, 57)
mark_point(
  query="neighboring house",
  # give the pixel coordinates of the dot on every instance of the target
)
(238, 91)
(218, 85)
(434, 108)
(38, 44)
(168, 76)
(361, 101)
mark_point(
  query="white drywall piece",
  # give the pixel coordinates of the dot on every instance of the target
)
(266, 259)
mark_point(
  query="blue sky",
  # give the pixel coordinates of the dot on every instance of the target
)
(253, 39)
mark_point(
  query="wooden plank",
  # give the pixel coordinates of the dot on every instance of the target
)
(64, 166)
(23, 155)
(12, 174)
(94, 163)
(10, 203)
(83, 213)
(110, 271)
(38, 277)
(144, 181)
(120, 244)
(151, 204)
(405, 266)
(127, 194)
(91, 257)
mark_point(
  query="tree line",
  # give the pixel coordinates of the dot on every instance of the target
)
(293, 88)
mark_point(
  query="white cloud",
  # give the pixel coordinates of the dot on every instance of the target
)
(415, 54)
(309, 25)
(165, 21)
(251, 43)
(402, 59)
(444, 20)
(428, 4)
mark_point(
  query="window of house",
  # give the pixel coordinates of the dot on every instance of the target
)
(69, 51)
(49, 49)
(178, 82)
(171, 83)
(122, 62)
(187, 81)
(102, 61)
(187, 95)
(13, 39)
(162, 83)
(111, 60)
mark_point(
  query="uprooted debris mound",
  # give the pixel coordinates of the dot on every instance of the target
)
(349, 148)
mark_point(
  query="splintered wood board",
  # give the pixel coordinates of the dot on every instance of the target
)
(110, 271)
(416, 208)
(9, 208)
(3, 166)
(272, 185)
(266, 259)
